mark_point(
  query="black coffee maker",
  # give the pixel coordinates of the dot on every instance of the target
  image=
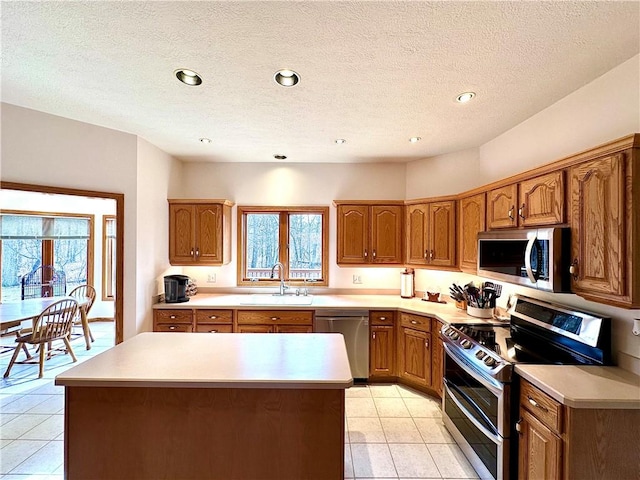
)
(175, 288)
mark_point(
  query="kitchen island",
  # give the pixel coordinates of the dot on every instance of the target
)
(226, 406)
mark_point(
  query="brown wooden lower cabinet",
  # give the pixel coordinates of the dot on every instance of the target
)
(382, 344)
(415, 356)
(274, 321)
(559, 442)
(173, 320)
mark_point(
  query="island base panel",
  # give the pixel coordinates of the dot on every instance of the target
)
(197, 433)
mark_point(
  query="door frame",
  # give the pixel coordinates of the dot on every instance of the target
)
(119, 198)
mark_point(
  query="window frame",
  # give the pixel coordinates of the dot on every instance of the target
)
(106, 261)
(47, 244)
(284, 213)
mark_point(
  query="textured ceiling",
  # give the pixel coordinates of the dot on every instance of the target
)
(374, 73)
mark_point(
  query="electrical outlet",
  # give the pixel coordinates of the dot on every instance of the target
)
(211, 278)
(357, 280)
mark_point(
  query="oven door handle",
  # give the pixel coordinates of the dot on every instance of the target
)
(492, 387)
(493, 436)
(455, 391)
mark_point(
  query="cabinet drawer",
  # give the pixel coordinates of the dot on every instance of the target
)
(381, 317)
(211, 328)
(415, 321)
(545, 408)
(173, 327)
(173, 316)
(275, 317)
(213, 316)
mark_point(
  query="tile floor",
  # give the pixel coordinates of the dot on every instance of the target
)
(391, 431)
(32, 410)
(395, 432)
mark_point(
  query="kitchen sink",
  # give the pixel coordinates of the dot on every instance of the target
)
(269, 299)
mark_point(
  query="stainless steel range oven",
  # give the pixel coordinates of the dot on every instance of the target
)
(480, 401)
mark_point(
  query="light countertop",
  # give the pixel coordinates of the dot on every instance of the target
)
(234, 360)
(445, 312)
(585, 386)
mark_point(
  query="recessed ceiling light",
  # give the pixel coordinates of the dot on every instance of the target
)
(205, 140)
(286, 77)
(280, 157)
(415, 139)
(340, 141)
(188, 77)
(465, 97)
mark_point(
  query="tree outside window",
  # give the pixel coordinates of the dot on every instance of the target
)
(297, 237)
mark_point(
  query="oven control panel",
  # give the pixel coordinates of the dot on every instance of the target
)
(478, 346)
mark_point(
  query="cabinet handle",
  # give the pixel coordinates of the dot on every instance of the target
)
(213, 317)
(213, 331)
(518, 427)
(373, 335)
(383, 318)
(365, 253)
(275, 318)
(426, 343)
(374, 254)
(536, 404)
(426, 254)
(511, 212)
(430, 255)
(521, 212)
(172, 327)
(413, 322)
(192, 253)
(573, 269)
(172, 317)
(197, 252)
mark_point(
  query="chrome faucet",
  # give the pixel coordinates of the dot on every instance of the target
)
(283, 287)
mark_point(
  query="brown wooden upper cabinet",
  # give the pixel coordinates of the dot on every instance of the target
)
(431, 234)
(533, 202)
(199, 232)
(369, 233)
(603, 219)
(471, 217)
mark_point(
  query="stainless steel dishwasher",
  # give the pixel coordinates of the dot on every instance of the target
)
(354, 327)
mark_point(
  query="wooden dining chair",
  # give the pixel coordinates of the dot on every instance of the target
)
(54, 323)
(82, 293)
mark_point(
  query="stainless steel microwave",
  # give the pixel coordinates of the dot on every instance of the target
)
(536, 258)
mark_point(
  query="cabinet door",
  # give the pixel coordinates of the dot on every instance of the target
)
(597, 226)
(542, 200)
(501, 207)
(208, 220)
(381, 352)
(472, 221)
(417, 231)
(181, 234)
(386, 231)
(415, 363)
(255, 328)
(437, 358)
(442, 234)
(353, 234)
(540, 450)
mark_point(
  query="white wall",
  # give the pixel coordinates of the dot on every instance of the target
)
(98, 207)
(601, 111)
(443, 175)
(296, 184)
(42, 149)
(159, 178)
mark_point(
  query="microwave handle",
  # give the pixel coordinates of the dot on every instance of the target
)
(527, 259)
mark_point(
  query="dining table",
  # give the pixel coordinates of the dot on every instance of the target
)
(12, 314)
